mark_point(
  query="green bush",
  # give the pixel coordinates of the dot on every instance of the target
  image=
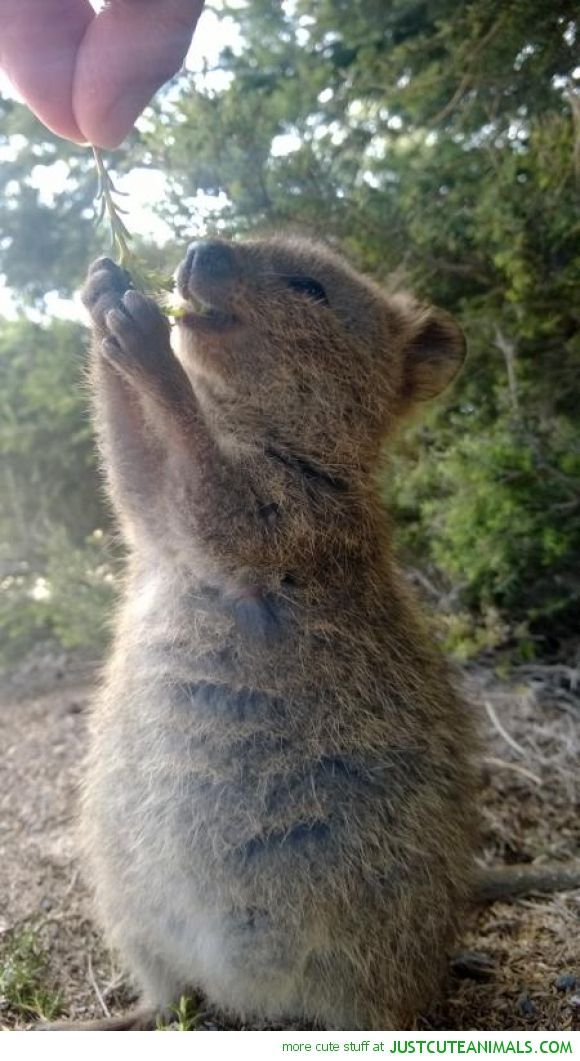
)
(498, 514)
(70, 603)
(56, 570)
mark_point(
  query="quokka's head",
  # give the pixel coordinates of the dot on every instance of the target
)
(295, 347)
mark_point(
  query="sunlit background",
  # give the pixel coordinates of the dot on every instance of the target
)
(143, 189)
(442, 154)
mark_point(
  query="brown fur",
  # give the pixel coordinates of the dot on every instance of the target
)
(278, 805)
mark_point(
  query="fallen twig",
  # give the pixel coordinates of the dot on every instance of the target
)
(96, 987)
(499, 727)
(492, 761)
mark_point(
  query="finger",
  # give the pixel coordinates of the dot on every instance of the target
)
(101, 293)
(129, 50)
(102, 279)
(146, 313)
(117, 272)
(38, 49)
(123, 328)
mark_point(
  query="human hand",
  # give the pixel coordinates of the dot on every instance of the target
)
(89, 75)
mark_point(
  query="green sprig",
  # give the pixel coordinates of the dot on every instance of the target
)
(149, 281)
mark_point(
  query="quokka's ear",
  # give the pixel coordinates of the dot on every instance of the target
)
(433, 354)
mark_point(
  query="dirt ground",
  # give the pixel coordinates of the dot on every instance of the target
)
(529, 949)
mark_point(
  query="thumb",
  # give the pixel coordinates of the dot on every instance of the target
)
(129, 50)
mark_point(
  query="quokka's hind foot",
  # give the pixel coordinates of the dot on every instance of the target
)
(137, 1020)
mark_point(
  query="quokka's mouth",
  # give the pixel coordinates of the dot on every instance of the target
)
(187, 309)
(209, 319)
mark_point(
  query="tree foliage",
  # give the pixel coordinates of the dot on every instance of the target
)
(51, 499)
(439, 145)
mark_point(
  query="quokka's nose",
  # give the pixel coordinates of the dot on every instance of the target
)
(210, 258)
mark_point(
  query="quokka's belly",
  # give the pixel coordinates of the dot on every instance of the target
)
(228, 843)
(223, 787)
(210, 863)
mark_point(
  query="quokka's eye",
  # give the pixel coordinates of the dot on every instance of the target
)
(305, 285)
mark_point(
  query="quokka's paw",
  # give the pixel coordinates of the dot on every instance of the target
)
(131, 329)
(104, 288)
(137, 331)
